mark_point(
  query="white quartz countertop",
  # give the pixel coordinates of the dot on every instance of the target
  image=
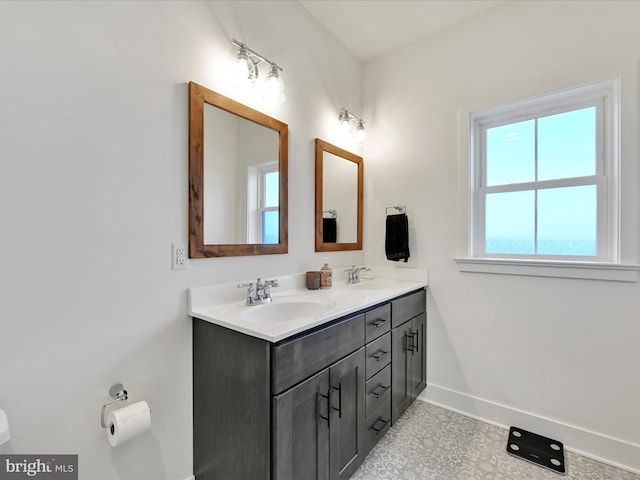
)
(296, 308)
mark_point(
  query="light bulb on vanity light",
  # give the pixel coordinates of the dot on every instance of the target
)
(274, 86)
(360, 132)
(345, 124)
(244, 70)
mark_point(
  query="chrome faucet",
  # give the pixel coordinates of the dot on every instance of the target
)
(260, 292)
(353, 274)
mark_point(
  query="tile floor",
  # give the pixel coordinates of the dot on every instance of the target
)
(431, 443)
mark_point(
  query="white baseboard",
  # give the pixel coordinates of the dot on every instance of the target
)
(603, 448)
(192, 477)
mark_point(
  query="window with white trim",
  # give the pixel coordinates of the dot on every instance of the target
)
(269, 204)
(263, 203)
(545, 182)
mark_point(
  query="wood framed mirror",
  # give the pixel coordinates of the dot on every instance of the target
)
(339, 198)
(238, 178)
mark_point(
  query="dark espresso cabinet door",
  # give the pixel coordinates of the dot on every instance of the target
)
(401, 390)
(418, 354)
(409, 363)
(301, 431)
(347, 419)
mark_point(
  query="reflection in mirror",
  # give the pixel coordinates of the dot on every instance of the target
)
(339, 203)
(237, 178)
(240, 180)
(339, 185)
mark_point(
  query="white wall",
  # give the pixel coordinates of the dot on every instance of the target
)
(559, 356)
(93, 191)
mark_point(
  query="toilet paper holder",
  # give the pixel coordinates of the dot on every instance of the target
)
(119, 394)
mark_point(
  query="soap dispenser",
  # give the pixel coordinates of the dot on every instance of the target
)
(326, 275)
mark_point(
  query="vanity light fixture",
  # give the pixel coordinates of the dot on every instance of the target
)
(351, 125)
(245, 73)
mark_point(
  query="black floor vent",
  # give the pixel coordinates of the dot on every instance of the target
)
(537, 449)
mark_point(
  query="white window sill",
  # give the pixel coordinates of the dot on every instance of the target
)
(543, 268)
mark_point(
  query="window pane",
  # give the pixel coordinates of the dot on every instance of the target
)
(567, 144)
(510, 222)
(511, 153)
(271, 189)
(270, 227)
(567, 221)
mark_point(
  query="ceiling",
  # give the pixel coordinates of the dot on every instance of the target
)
(370, 28)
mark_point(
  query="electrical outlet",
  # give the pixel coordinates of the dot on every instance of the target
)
(179, 256)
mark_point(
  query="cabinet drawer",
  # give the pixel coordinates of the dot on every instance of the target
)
(295, 360)
(378, 354)
(377, 322)
(407, 307)
(377, 425)
(378, 390)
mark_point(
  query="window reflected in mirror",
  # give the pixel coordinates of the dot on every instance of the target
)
(267, 207)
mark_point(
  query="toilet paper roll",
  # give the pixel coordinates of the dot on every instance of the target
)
(127, 422)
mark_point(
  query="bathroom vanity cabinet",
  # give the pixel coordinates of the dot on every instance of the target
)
(307, 407)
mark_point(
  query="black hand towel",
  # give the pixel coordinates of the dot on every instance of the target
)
(329, 230)
(396, 243)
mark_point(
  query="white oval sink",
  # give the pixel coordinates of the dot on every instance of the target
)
(281, 309)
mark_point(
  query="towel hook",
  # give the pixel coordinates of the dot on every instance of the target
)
(119, 394)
